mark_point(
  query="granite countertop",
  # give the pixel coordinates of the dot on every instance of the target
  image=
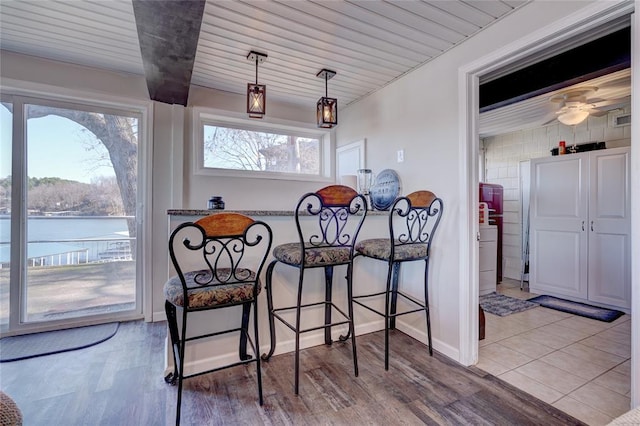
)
(204, 212)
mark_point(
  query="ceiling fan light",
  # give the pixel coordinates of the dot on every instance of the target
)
(573, 117)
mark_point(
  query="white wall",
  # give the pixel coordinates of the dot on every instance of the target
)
(71, 77)
(419, 113)
(503, 154)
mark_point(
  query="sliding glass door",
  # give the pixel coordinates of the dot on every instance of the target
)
(68, 218)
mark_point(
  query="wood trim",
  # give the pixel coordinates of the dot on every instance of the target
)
(225, 224)
(337, 195)
(421, 198)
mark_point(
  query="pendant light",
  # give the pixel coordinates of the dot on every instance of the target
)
(327, 108)
(256, 93)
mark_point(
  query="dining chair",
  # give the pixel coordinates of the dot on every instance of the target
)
(328, 222)
(218, 260)
(413, 220)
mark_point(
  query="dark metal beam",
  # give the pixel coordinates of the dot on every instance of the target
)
(168, 32)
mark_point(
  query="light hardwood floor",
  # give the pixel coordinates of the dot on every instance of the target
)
(120, 382)
(578, 365)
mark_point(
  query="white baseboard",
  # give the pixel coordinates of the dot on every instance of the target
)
(421, 335)
(307, 340)
(159, 316)
(310, 340)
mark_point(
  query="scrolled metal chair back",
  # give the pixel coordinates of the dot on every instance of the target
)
(339, 213)
(415, 218)
(228, 247)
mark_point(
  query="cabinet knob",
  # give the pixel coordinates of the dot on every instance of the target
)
(591, 226)
(583, 225)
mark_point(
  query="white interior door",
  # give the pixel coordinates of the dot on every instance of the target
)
(558, 235)
(610, 228)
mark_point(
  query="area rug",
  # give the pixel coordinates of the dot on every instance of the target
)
(576, 308)
(15, 348)
(501, 305)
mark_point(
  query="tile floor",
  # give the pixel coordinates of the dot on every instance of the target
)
(576, 364)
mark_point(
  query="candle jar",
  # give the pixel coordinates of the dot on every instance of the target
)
(562, 148)
(216, 203)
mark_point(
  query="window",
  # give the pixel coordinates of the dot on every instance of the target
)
(241, 148)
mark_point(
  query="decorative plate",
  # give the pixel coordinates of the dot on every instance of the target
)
(385, 190)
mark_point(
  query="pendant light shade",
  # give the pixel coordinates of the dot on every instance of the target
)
(327, 108)
(256, 93)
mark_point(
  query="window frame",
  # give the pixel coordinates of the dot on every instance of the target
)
(202, 117)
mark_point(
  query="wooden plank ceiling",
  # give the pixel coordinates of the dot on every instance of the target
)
(369, 43)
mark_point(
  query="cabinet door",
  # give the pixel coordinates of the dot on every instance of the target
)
(610, 227)
(558, 237)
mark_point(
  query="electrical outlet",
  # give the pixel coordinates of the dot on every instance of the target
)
(400, 155)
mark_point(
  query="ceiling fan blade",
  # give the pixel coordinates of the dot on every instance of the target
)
(550, 118)
(612, 103)
(598, 113)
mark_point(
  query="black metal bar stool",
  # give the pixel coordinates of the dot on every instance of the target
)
(326, 240)
(218, 260)
(413, 220)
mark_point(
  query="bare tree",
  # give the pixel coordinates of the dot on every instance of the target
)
(120, 137)
(250, 150)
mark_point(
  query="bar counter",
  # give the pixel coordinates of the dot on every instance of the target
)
(252, 213)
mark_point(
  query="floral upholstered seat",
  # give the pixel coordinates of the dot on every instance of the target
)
(291, 254)
(213, 294)
(380, 248)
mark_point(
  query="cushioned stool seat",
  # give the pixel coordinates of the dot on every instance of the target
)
(379, 248)
(219, 294)
(291, 254)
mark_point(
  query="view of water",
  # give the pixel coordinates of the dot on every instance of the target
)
(70, 239)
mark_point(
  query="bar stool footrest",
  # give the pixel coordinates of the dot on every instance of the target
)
(275, 314)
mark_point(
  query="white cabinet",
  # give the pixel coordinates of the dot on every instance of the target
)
(580, 227)
(488, 255)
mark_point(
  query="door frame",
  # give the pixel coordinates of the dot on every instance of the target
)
(28, 91)
(594, 15)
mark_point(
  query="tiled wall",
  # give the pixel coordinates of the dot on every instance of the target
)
(503, 157)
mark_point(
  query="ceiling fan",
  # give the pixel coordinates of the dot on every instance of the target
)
(575, 106)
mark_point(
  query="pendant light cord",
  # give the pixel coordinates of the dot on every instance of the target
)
(256, 69)
(326, 85)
